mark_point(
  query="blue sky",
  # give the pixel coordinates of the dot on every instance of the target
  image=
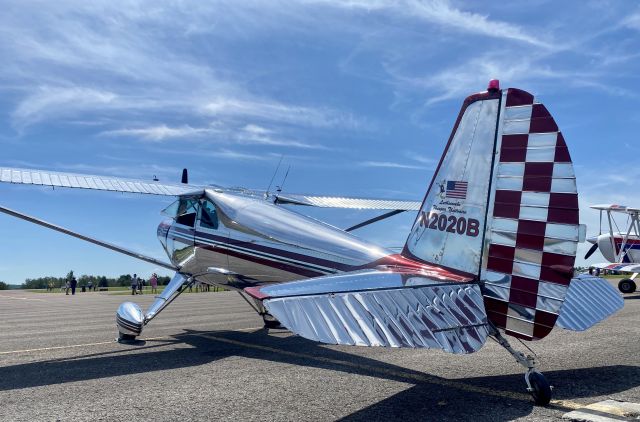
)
(359, 97)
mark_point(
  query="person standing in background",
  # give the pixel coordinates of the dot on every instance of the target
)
(74, 283)
(134, 284)
(153, 281)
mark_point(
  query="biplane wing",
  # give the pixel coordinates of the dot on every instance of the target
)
(615, 208)
(385, 308)
(118, 184)
(622, 267)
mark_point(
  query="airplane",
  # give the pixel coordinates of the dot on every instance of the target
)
(490, 254)
(620, 248)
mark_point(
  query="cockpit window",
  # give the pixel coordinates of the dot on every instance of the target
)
(180, 207)
(208, 216)
(184, 211)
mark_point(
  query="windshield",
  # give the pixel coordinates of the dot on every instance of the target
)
(183, 211)
(180, 207)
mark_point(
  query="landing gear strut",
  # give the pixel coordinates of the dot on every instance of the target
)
(537, 384)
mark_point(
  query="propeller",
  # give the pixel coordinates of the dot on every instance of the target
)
(591, 250)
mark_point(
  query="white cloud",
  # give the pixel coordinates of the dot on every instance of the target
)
(258, 135)
(632, 21)
(391, 164)
(278, 112)
(217, 132)
(442, 13)
(420, 158)
(52, 101)
(259, 130)
(161, 132)
(78, 58)
(240, 156)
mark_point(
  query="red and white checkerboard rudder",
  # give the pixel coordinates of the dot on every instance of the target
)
(532, 228)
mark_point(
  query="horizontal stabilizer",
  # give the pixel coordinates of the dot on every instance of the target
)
(588, 301)
(376, 308)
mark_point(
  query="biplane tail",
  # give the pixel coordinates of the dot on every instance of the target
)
(502, 207)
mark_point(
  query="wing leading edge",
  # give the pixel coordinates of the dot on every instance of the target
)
(381, 308)
(120, 184)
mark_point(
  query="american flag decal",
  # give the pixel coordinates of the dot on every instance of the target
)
(456, 189)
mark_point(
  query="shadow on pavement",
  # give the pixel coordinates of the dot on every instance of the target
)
(429, 397)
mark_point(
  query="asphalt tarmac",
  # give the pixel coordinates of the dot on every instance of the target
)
(206, 358)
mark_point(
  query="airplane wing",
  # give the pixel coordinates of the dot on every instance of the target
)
(615, 208)
(381, 308)
(343, 202)
(623, 267)
(86, 181)
(119, 184)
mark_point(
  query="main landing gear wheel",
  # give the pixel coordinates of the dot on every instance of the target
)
(271, 322)
(538, 387)
(626, 285)
(126, 338)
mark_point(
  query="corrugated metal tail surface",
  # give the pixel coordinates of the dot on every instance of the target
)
(589, 301)
(447, 317)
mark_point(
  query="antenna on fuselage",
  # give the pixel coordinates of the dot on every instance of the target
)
(284, 179)
(185, 176)
(266, 194)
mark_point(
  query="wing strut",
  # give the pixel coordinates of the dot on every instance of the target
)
(88, 239)
(374, 220)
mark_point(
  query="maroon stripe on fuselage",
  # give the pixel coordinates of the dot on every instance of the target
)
(264, 261)
(392, 260)
(270, 250)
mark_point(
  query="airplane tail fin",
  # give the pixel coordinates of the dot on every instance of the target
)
(503, 207)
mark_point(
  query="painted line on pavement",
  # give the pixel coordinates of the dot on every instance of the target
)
(99, 343)
(21, 298)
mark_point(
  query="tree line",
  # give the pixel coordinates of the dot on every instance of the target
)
(84, 280)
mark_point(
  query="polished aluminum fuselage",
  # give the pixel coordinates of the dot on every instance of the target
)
(257, 242)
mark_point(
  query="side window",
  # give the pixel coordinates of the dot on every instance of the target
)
(187, 219)
(208, 217)
(186, 212)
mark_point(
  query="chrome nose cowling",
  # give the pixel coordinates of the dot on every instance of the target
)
(129, 319)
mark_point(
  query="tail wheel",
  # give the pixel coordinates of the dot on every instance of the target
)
(626, 285)
(539, 388)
